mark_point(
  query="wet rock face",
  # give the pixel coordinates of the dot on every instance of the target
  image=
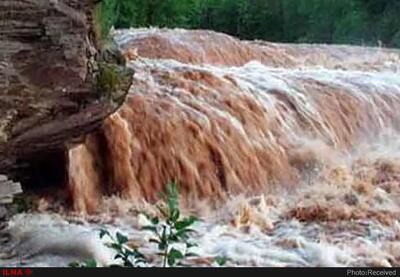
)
(48, 93)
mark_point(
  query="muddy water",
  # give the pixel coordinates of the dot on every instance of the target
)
(288, 153)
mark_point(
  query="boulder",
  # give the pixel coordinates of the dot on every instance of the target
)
(49, 92)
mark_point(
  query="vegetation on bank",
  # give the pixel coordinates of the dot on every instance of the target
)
(368, 22)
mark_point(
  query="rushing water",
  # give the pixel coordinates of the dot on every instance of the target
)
(289, 154)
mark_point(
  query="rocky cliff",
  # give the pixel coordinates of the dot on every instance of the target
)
(49, 92)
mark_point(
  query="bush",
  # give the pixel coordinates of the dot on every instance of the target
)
(169, 230)
(108, 79)
(172, 229)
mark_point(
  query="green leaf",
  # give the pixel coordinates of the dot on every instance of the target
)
(104, 232)
(150, 228)
(171, 261)
(186, 222)
(182, 235)
(154, 241)
(128, 263)
(162, 246)
(221, 260)
(74, 264)
(190, 245)
(129, 252)
(121, 238)
(174, 238)
(118, 256)
(175, 253)
(173, 256)
(155, 220)
(175, 215)
(116, 246)
(188, 231)
(90, 263)
(139, 255)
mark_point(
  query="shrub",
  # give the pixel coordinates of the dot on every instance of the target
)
(172, 229)
(129, 257)
(108, 78)
(168, 230)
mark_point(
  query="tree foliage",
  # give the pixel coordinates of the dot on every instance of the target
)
(368, 22)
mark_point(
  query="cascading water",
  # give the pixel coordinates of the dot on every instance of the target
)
(223, 130)
(296, 144)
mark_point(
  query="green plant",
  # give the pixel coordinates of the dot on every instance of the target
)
(125, 254)
(107, 79)
(221, 260)
(113, 79)
(101, 24)
(171, 229)
(129, 257)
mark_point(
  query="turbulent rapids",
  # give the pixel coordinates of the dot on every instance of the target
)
(223, 117)
(290, 153)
